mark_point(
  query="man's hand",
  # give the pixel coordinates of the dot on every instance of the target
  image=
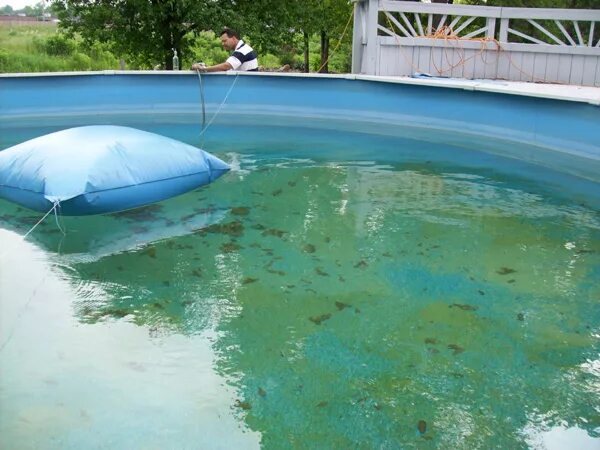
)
(201, 67)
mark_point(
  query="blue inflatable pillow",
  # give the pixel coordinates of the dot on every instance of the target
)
(100, 169)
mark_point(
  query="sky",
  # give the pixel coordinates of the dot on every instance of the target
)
(18, 4)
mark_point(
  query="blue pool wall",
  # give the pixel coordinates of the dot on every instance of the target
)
(558, 134)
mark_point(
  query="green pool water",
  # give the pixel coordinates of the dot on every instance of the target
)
(329, 292)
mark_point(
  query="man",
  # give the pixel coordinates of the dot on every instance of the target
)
(243, 56)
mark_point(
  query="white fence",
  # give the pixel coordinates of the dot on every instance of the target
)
(401, 38)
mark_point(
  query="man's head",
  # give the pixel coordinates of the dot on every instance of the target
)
(229, 38)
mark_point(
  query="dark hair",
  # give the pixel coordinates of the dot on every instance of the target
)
(230, 33)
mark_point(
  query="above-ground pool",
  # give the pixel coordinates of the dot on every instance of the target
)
(385, 266)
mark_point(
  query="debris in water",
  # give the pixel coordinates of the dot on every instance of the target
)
(234, 229)
(230, 247)
(320, 271)
(309, 248)
(262, 392)
(240, 211)
(244, 405)
(361, 264)
(422, 426)
(249, 280)
(318, 319)
(150, 251)
(273, 232)
(463, 307)
(505, 271)
(457, 348)
(341, 305)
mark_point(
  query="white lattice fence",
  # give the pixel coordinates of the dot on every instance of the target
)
(520, 44)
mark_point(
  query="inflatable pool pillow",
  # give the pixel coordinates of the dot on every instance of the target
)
(100, 169)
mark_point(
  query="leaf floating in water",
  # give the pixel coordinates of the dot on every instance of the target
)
(277, 272)
(463, 307)
(521, 317)
(361, 264)
(341, 305)
(505, 271)
(249, 280)
(230, 247)
(244, 405)
(431, 341)
(234, 229)
(277, 192)
(262, 392)
(240, 211)
(320, 271)
(273, 232)
(309, 248)
(422, 426)
(258, 226)
(117, 313)
(150, 251)
(197, 273)
(457, 348)
(511, 281)
(481, 292)
(322, 404)
(318, 319)
(144, 213)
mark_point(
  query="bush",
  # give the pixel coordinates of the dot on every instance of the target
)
(3, 60)
(269, 61)
(59, 45)
(80, 61)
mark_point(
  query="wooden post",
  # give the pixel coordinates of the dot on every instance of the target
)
(372, 47)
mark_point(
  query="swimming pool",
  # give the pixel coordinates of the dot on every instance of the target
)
(348, 284)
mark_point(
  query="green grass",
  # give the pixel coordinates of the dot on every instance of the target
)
(42, 48)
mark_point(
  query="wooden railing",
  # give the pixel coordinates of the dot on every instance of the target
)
(400, 38)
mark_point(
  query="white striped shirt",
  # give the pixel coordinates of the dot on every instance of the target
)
(243, 57)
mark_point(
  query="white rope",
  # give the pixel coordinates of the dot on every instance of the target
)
(21, 312)
(56, 217)
(203, 109)
(221, 105)
(56, 203)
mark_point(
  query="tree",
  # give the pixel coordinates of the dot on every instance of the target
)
(277, 22)
(146, 31)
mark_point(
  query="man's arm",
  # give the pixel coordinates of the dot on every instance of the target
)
(216, 68)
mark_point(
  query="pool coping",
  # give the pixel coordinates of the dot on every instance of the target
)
(581, 94)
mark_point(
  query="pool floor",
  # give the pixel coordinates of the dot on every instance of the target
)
(306, 300)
